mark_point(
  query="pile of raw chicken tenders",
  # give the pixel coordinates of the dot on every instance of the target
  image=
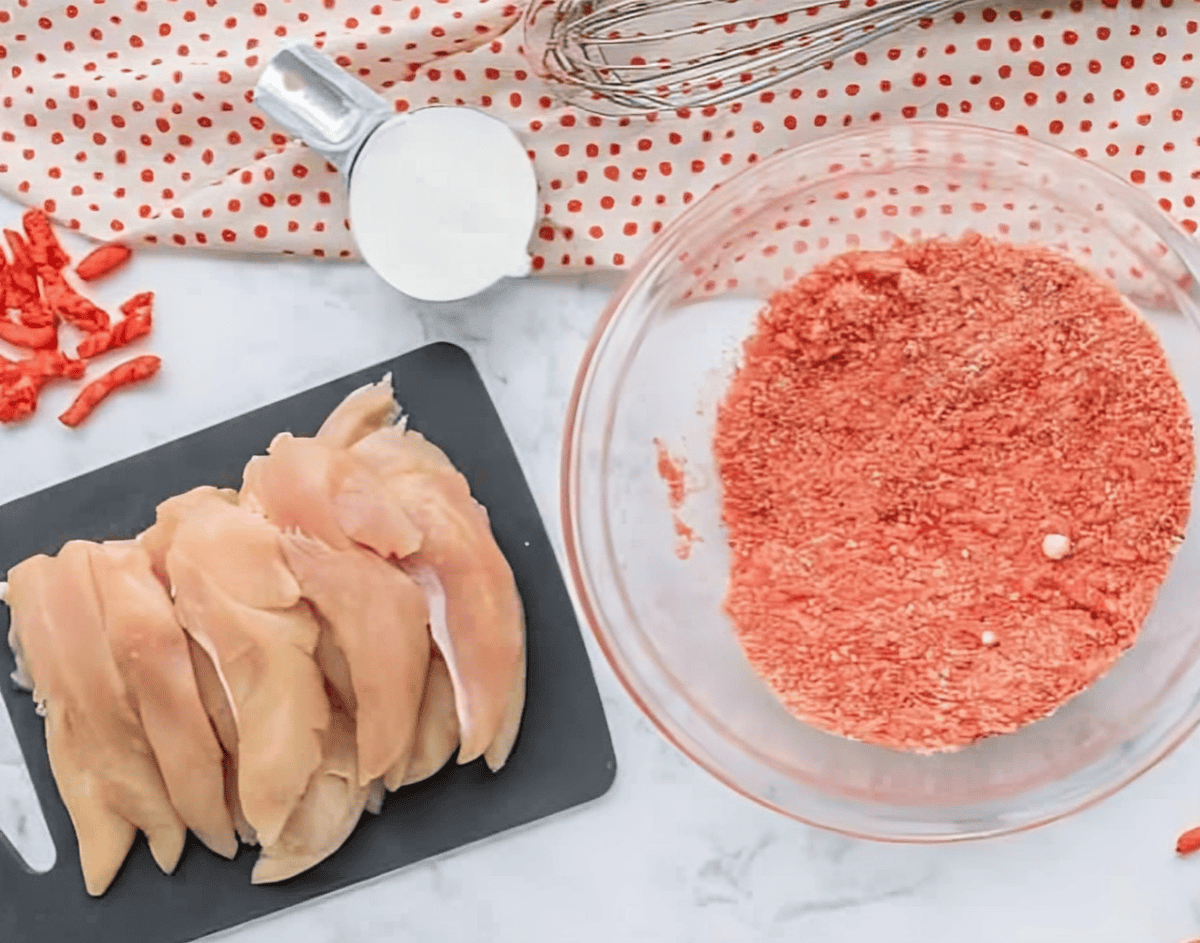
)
(264, 664)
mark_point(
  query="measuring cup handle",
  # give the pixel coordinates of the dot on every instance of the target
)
(316, 100)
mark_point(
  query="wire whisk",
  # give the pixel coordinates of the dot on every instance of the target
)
(620, 57)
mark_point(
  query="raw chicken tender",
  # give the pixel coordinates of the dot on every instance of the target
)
(151, 652)
(476, 616)
(237, 598)
(326, 492)
(437, 728)
(216, 705)
(157, 539)
(99, 753)
(378, 619)
(368, 408)
(326, 814)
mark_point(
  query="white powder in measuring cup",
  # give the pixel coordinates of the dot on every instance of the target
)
(443, 202)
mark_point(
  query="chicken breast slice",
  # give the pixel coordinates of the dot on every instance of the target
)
(104, 836)
(235, 595)
(336, 669)
(327, 493)
(333, 665)
(151, 653)
(437, 729)
(476, 616)
(326, 814)
(378, 619)
(157, 539)
(216, 705)
(368, 408)
(103, 764)
(376, 793)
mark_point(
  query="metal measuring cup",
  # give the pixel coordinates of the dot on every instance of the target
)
(443, 200)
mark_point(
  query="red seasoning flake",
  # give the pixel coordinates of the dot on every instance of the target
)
(685, 537)
(953, 476)
(670, 470)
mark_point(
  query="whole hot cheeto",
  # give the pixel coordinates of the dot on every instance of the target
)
(23, 272)
(44, 247)
(35, 295)
(128, 373)
(99, 262)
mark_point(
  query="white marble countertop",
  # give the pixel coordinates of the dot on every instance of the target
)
(668, 854)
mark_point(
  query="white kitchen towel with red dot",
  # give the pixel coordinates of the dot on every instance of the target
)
(135, 119)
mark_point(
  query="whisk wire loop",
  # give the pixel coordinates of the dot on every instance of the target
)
(638, 56)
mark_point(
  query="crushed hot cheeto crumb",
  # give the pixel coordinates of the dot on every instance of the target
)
(953, 475)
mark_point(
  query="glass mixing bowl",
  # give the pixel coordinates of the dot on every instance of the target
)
(656, 368)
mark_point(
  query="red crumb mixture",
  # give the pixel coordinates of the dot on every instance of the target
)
(670, 470)
(685, 536)
(910, 438)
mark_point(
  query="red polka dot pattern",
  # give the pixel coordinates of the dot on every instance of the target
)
(136, 118)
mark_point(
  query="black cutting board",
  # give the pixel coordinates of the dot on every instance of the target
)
(563, 757)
